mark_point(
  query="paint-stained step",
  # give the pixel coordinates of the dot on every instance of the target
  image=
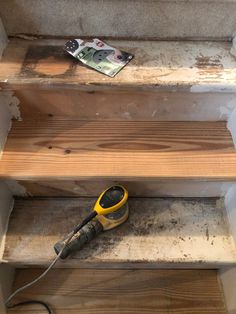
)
(122, 291)
(70, 150)
(165, 81)
(160, 232)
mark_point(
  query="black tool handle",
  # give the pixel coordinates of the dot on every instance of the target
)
(86, 234)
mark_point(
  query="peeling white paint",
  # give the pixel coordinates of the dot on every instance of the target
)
(8, 109)
(8, 99)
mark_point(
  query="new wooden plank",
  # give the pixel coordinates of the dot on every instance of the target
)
(123, 291)
(165, 232)
(60, 149)
(156, 64)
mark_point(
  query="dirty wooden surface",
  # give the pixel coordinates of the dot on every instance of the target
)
(59, 149)
(123, 291)
(130, 104)
(159, 233)
(158, 64)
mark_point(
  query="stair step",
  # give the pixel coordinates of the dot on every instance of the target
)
(57, 150)
(160, 232)
(123, 291)
(162, 19)
(165, 81)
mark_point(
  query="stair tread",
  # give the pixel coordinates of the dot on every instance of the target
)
(160, 232)
(185, 65)
(72, 149)
(122, 291)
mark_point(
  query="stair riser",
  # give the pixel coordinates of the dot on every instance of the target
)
(165, 188)
(162, 19)
(127, 104)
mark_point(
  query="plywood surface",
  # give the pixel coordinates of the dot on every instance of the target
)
(159, 233)
(72, 150)
(123, 291)
(156, 63)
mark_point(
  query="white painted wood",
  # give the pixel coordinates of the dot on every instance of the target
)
(228, 275)
(6, 199)
(228, 280)
(6, 271)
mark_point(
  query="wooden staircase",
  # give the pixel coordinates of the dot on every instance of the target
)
(160, 129)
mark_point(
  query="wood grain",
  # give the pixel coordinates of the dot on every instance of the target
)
(159, 233)
(70, 149)
(158, 64)
(123, 291)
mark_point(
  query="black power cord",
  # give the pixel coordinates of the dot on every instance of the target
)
(67, 238)
(8, 301)
(31, 302)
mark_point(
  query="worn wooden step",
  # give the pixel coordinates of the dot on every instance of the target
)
(123, 291)
(168, 232)
(161, 19)
(72, 151)
(170, 80)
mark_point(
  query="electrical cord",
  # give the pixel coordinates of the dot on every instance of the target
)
(31, 302)
(67, 240)
(7, 303)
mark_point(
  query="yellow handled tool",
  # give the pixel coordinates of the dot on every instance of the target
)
(111, 209)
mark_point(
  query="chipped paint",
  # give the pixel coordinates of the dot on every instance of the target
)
(8, 99)
(9, 108)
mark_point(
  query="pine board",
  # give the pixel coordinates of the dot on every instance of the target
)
(123, 291)
(52, 149)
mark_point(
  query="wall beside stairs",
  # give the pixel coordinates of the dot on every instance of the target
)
(6, 199)
(228, 275)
